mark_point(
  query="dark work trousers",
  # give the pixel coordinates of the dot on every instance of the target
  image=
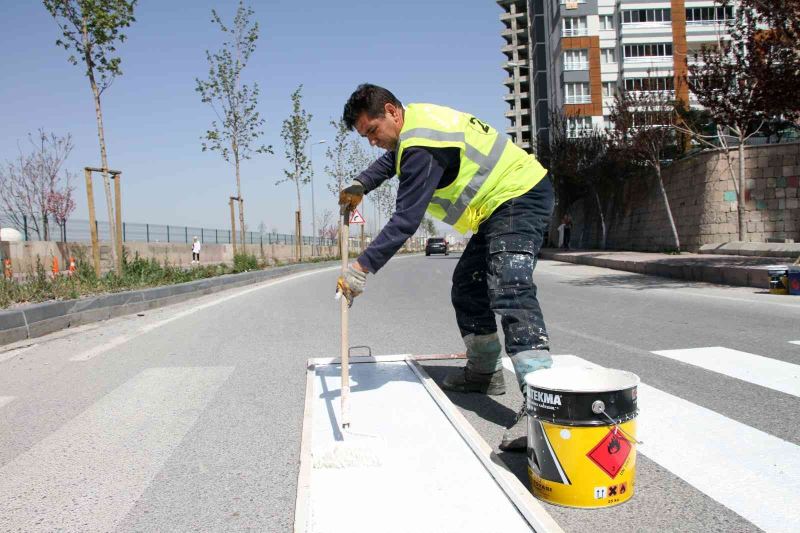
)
(495, 275)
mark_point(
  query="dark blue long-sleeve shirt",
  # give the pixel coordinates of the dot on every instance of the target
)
(422, 171)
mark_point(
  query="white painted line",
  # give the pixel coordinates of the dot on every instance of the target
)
(754, 474)
(122, 339)
(6, 400)
(756, 369)
(795, 342)
(87, 475)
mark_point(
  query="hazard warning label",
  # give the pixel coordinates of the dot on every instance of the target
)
(611, 453)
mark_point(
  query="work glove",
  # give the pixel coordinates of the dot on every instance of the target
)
(351, 284)
(350, 197)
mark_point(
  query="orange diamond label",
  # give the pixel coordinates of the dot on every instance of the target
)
(611, 453)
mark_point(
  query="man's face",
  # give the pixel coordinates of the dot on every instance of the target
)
(384, 131)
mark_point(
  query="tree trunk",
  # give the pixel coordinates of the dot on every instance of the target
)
(741, 202)
(239, 194)
(102, 138)
(602, 219)
(299, 222)
(669, 210)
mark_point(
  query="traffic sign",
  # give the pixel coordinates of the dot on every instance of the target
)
(356, 218)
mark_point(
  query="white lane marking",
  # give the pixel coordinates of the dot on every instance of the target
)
(13, 352)
(87, 475)
(795, 342)
(6, 399)
(122, 339)
(756, 369)
(755, 474)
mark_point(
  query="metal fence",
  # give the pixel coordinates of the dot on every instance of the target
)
(80, 231)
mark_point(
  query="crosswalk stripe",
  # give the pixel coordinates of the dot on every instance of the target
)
(756, 369)
(754, 474)
(6, 399)
(88, 474)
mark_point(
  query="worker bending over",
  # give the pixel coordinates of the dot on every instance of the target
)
(465, 173)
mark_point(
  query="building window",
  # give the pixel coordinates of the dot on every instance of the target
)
(577, 93)
(609, 88)
(708, 15)
(572, 26)
(644, 52)
(606, 22)
(608, 124)
(646, 16)
(608, 55)
(576, 60)
(577, 126)
(650, 84)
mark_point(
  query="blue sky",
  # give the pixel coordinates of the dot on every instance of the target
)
(445, 52)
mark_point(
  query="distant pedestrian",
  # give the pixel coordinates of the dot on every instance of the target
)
(196, 251)
(567, 223)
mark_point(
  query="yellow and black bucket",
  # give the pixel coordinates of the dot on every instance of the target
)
(582, 435)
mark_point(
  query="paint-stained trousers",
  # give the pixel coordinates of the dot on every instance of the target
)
(495, 275)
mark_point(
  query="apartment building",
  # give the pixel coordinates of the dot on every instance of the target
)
(574, 54)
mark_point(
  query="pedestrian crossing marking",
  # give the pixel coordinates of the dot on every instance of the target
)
(726, 455)
(88, 474)
(6, 399)
(764, 371)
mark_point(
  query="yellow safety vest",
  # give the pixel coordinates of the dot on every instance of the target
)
(492, 170)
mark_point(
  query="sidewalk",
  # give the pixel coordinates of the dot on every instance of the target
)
(747, 271)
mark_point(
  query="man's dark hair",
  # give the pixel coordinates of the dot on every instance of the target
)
(370, 99)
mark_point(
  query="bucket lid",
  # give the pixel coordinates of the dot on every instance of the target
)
(582, 379)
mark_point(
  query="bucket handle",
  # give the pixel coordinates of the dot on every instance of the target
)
(599, 408)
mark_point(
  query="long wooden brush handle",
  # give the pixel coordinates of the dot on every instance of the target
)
(344, 239)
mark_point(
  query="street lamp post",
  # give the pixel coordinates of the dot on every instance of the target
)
(313, 210)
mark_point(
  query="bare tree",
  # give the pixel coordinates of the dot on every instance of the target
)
(644, 132)
(327, 224)
(92, 28)
(61, 205)
(236, 132)
(30, 185)
(744, 82)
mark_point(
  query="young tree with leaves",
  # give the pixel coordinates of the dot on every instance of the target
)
(644, 132)
(295, 134)
(236, 132)
(93, 29)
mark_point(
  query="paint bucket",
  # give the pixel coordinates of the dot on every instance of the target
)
(778, 279)
(793, 280)
(582, 435)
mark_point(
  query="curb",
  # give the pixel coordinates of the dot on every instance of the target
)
(40, 319)
(687, 269)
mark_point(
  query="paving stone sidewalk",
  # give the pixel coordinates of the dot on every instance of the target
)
(747, 271)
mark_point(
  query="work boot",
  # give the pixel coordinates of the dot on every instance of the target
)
(515, 438)
(467, 380)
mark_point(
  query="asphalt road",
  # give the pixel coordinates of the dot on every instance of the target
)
(190, 417)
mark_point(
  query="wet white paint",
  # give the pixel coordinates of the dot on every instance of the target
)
(428, 480)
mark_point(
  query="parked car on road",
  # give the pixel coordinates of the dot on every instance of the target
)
(436, 245)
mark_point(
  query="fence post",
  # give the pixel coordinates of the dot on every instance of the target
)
(167, 232)
(25, 226)
(186, 234)
(147, 228)
(202, 235)
(124, 231)
(216, 236)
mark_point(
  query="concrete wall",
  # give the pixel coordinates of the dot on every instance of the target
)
(704, 203)
(24, 254)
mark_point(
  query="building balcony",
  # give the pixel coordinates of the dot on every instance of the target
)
(576, 65)
(578, 99)
(578, 32)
